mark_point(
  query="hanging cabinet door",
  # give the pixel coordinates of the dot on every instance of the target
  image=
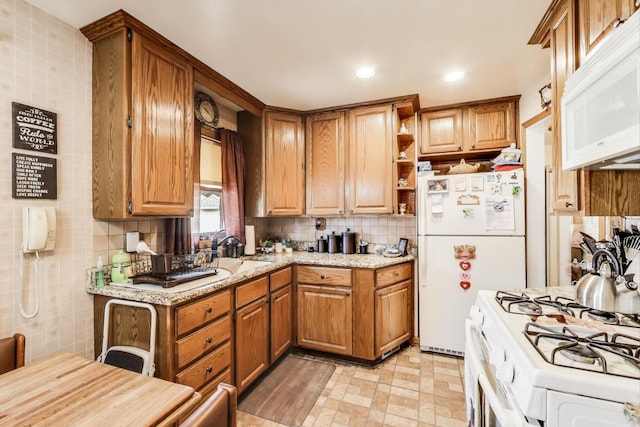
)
(284, 157)
(492, 126)
(162, 130)
(370, 173)
(562, 66)
(596, 18)
(441, 131)
(325, 164)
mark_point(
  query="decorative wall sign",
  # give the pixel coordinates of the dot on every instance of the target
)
(34, 177)
(34, 129)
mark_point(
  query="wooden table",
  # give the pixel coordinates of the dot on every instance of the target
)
(70, 390)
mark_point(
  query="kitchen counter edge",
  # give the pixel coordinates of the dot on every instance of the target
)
(278, 261)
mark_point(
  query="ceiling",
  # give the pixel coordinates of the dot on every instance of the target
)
(302, 54)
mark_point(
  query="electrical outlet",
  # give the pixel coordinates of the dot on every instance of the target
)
(321, 224)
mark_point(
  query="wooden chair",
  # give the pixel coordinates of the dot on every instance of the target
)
(11, 353)
(219, 410)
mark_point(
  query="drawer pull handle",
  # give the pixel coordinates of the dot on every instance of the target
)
(209, 340)
(209, 369)
(322, 276)
(567, 204)
(209, 310)
(396, 274)
(347, 293)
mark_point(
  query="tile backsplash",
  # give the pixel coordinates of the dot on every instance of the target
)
(378, 230)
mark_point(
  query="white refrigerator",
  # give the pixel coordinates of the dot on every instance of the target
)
(470, 237)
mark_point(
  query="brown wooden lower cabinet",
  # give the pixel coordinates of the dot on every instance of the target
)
(363, 313)
(325, 318)
(235, 334)
(281, 321)
(392, 323)
(252, 342)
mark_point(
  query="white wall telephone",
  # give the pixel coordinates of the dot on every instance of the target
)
(38, 229)
(38, 235)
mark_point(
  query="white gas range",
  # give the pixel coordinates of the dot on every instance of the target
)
(544, 360)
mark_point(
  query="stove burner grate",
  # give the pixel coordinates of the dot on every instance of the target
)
(588, 350)
(603, 316)
(579, 352)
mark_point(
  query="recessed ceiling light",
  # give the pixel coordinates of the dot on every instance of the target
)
(454, 75)
(365, 73)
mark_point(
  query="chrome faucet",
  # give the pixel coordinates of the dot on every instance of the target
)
(214, 236)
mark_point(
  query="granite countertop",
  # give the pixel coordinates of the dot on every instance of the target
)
(200, 287)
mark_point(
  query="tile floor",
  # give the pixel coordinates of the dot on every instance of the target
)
(410, 388)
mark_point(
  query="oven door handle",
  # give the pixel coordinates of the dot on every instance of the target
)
(507, 417)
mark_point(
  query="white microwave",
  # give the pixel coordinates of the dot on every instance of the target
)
(601, 105)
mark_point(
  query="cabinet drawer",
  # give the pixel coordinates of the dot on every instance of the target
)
(324, 275)
(251, 291)
(196, 314)
(279, 279)
(201, 341)
(395, 273)
(206, 369)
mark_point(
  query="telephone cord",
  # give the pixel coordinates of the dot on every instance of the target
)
(36, 296)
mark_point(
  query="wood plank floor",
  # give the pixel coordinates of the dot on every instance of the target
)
(288, 392)
(408, 389)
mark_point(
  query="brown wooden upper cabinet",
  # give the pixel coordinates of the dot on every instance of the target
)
(370, 160)
(325, 140)
(569, 25)
(599, 17)
(142, 156)
(284, 155)
(477, 127)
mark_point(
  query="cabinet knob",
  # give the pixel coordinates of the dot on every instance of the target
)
(459, 147)
(396, 274)
(209, 310)
(209, 340)
(347, 293)
(209, 369)
(473, 146)
(322, 276)
(567, 204)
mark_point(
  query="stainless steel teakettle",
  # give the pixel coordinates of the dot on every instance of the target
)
(608, 290)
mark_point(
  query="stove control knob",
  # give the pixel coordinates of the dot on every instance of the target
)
(505, 373)
(497, 356)
(476, 315)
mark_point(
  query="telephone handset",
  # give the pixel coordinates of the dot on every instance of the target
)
(38, 235)
(38, 229)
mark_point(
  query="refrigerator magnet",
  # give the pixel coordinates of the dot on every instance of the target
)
(460, 184)
(438, 185)
(477, 183)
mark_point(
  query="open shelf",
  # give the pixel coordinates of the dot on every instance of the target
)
(405, 126)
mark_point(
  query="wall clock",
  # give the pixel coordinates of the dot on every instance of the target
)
(206, 110)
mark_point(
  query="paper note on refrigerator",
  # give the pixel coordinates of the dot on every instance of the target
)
(499, 213)
(436, 204)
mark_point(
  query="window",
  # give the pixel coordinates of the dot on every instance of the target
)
(210, 218)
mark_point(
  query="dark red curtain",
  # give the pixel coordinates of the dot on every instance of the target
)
(232, 182)
(177, 236)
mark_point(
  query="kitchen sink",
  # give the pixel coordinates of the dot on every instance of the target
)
(227, 267)
(235, 265)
